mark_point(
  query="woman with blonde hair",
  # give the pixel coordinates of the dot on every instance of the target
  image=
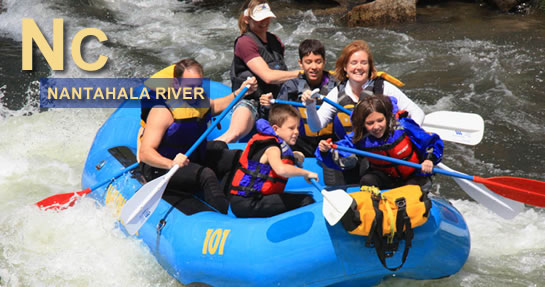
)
(257, 53)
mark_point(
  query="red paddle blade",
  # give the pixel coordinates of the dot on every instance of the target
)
(61, 201)
(524, 190)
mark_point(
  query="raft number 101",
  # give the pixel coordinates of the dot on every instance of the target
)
(213, 239)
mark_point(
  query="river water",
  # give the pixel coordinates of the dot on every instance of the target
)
(456, 56)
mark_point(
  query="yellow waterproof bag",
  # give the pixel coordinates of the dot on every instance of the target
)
(387, 218)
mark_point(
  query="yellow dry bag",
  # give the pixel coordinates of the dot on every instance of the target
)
(387, 218)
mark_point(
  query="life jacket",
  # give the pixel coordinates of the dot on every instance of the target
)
(189, 124)
(254, 178)
(273, 54)
(189, 121)
(328, 84)
(387, 218)
(398, 145)
(341, 123)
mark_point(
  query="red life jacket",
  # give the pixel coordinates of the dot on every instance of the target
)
(253, 177)
(401, 148)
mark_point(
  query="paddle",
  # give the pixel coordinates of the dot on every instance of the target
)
(524, 190)
(64, 200)
(464, 128)
(138, 208)
(500, 205)
(336, 203)
(317, 95)
(292, 103)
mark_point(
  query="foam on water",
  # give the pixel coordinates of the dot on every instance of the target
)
(42, 155)
(511, 252)
(78, 247)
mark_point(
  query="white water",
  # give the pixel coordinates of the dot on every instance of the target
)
(42, 154)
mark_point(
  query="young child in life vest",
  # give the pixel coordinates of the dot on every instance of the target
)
(377, 130)
(266, 164)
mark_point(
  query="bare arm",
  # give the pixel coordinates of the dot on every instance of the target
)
(218, 105)
(272, 156)
(259, 67)
(159, 119)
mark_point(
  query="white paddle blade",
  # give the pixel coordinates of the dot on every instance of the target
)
(504, 207)
(132, 225)
(336, 203)
(464, 128)
(136, 211)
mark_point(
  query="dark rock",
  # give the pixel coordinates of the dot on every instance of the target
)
(505, 5)
(382, 12)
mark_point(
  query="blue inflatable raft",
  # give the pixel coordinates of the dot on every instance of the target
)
(297, 248)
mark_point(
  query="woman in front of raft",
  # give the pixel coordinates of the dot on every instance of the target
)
(173, 126)
(257, 53)
(377, 130)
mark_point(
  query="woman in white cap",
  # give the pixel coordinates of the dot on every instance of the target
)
(257, 53)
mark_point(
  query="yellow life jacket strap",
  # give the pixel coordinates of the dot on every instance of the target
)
(189, 113)
(390, 79)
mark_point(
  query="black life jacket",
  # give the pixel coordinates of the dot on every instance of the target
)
(273, 54)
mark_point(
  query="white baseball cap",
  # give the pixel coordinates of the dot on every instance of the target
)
(261, 12)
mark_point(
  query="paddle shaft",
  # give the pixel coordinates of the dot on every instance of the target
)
(399, 161)
(315, 95)
(55, 201)
(217, 120)
(292, 103)
(315, 184)
(336, 105)
(116, 175)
